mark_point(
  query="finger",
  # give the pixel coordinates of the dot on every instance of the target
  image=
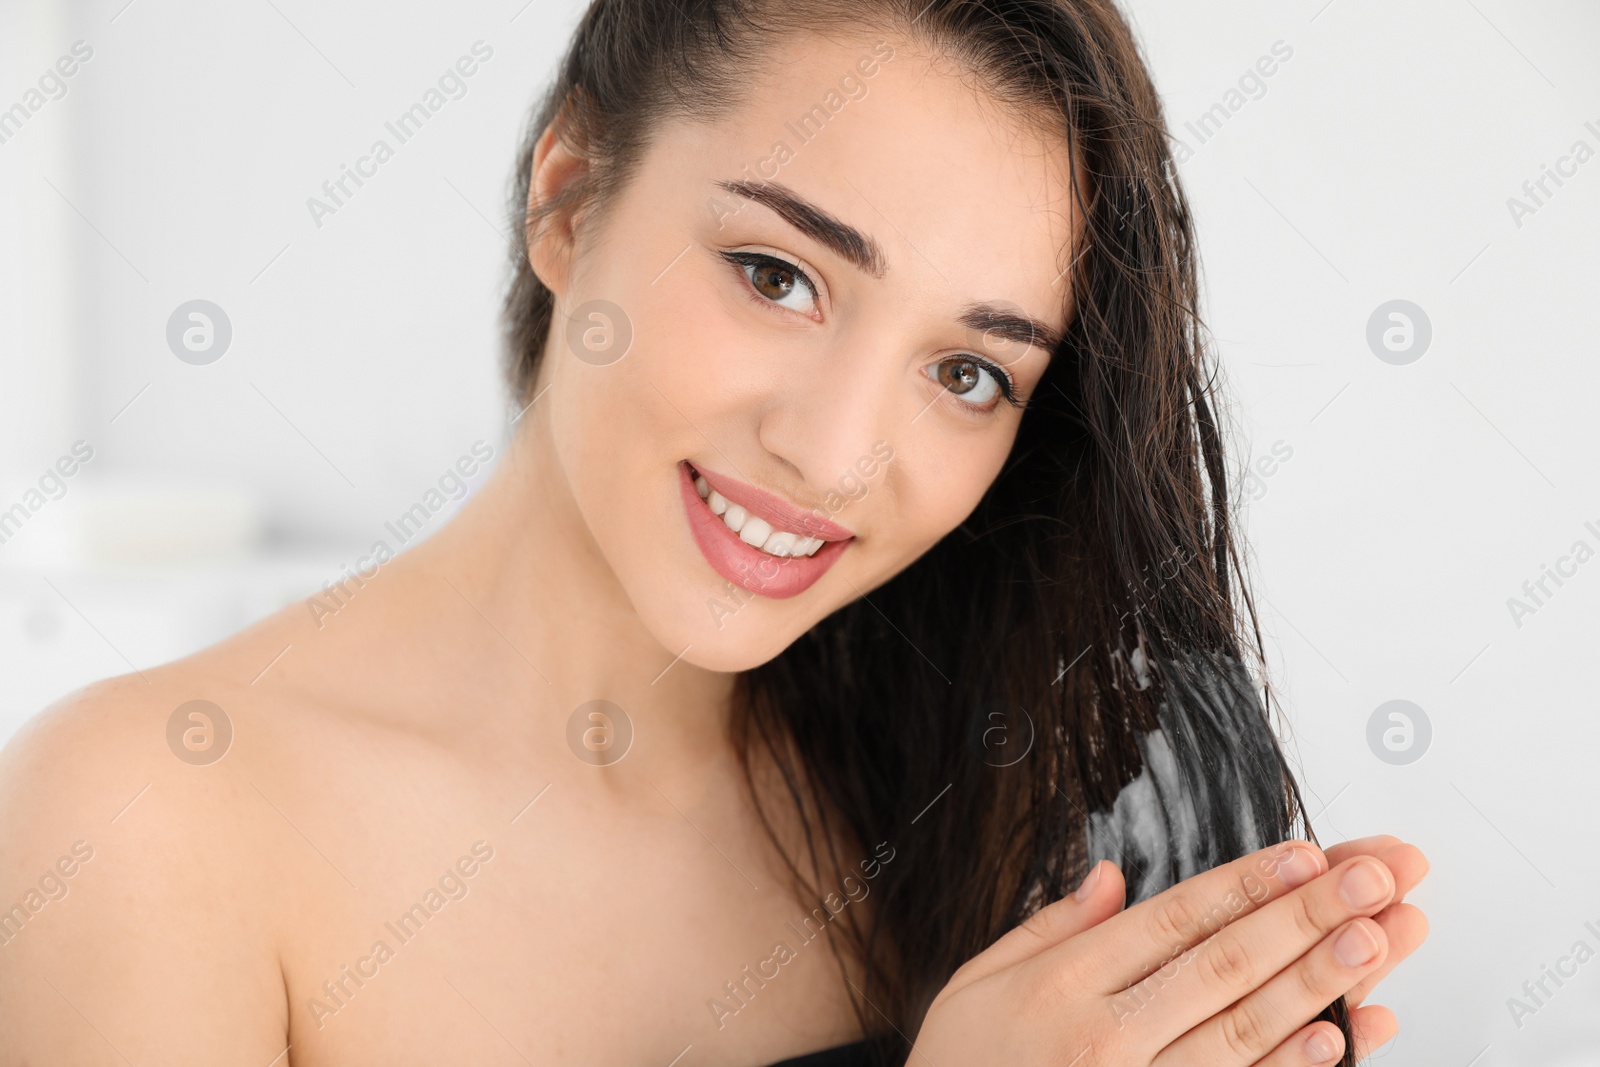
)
(1283, 937)
(1262, 1021)
(1408, 865)
(1406, 927)
(1361, 846)
(1373, 1025)
(1405, 861)
(1098, 897)
(1126, 947)
(1317, 1045)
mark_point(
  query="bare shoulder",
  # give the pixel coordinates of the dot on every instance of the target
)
(133, 883)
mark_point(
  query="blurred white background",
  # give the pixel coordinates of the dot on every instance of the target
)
(1396, 508)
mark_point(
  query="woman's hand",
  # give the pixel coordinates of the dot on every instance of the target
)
(1226, 968)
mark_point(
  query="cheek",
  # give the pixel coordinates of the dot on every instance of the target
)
(611, 432)
(620, 428)
(938, 480)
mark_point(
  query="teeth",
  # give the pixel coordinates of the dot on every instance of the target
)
(753, 531)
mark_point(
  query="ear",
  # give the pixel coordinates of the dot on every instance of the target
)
(551, 246)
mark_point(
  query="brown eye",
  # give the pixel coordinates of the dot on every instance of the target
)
(974, 381)
(959, 376)
(772, 280)
(776, 281)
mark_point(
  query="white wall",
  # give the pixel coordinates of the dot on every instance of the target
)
(1374, 165)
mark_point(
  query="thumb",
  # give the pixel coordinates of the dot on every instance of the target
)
(1098, 897)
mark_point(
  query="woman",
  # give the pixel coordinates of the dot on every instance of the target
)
(856, 582)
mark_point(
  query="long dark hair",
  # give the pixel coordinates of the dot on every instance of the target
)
(1087, 633)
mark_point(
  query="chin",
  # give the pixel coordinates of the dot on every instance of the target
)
(730, 603)
(698, 618)
(731, 653)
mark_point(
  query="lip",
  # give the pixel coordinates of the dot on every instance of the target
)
(747, 567)
(778, 512)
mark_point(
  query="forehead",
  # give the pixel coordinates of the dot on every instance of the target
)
(963, 196)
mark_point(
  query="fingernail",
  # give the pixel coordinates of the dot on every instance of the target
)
(1364, 884)
(1299, 868)
(1320, 1048)
(1090, 880)
(1356, 946)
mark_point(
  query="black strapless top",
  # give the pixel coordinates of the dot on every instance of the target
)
(856, 1055)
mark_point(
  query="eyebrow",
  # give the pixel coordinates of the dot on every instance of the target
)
(856, 248)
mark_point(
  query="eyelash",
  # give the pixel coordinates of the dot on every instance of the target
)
(741, 260)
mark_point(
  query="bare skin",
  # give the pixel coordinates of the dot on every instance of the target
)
(418, 739)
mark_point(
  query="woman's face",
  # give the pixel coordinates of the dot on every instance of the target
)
(820, 308)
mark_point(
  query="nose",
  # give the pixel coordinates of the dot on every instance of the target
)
(824, 416)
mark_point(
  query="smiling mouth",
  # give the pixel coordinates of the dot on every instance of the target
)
(754, 531)
(756, 539)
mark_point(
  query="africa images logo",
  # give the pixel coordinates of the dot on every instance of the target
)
(451, 85)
